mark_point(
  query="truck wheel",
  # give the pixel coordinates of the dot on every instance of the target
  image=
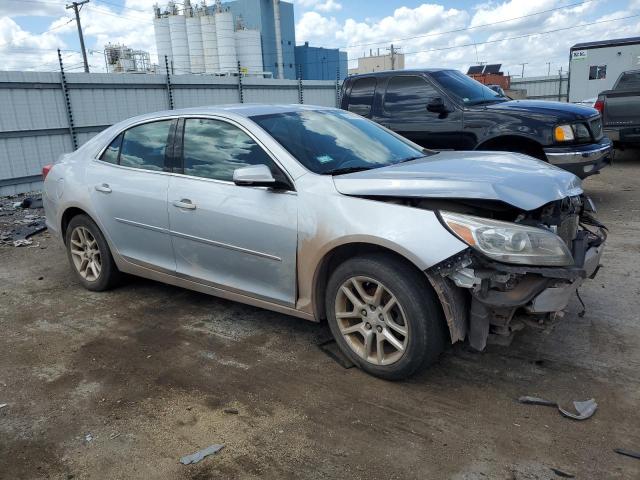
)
(89, 255)
(384, 316)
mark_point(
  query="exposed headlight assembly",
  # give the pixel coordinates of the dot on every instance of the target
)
(509, 242)
(563, 133)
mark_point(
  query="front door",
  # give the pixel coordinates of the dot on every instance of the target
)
(128, 190)
(404, 110)
(239, 238)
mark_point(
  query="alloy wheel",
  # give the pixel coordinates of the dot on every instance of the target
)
(371, 320)
(85, 253)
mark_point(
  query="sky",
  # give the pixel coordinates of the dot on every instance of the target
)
(454, 34)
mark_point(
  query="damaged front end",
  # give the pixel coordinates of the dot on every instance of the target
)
(523, 269)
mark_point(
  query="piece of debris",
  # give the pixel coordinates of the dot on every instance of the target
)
(2, 405)
(330, 347)
(585, 409)
(627, 453)
(31, 203)
(22, 243)
(232, 411)
(114, 435)
(88, 438)
(196, 457)
(562, 473)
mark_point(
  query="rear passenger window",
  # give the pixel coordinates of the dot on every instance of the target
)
(361, 96)
(144, 146)
(408, 94)
(629, 81)
(214, 149)
(110, 155)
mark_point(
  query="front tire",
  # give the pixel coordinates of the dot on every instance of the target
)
(89, 255)
(384, 316)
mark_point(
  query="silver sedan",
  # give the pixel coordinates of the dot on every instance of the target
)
(322, 214)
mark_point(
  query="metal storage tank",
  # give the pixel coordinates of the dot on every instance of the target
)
(209, 43)
(226, 42)
(179, 44)
(194, 36)
(249, 50)
(163, 39)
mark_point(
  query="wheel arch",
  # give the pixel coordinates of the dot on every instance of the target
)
(66, 217)
(338, 254)
(514, 143)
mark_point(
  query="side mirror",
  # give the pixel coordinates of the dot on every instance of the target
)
(254, 175)
(436, 105)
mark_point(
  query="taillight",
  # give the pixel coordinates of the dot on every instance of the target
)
(45, 170)
(599, 105)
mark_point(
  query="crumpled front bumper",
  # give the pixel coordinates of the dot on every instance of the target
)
(481, 297)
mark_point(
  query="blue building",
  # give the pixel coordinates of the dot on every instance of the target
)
(258, 15)
(317, 63)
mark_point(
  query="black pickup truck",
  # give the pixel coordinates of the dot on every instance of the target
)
(444, 109)
(620, 109)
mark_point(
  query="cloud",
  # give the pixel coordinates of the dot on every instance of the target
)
(328, 6)
(34, 8)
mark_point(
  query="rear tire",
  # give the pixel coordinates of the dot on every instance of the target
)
(89, 255)
(384, 316)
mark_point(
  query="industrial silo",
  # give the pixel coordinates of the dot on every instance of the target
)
(194, 36)
(226, 41)
(209, 43)
(163, 38)
(249, 50)
(179, 42)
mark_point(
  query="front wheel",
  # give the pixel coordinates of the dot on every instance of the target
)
(89, 255)
(384, 316)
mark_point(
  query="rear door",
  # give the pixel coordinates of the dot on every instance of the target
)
(239, 238)
(360, 99)
(404, 110)
(128, 189)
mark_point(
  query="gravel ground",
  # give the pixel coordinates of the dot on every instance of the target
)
(124, 383)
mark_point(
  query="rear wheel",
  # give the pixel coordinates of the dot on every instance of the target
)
(384, 316)
(89, 255)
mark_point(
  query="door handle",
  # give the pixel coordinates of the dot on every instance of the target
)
(184, 203)
(104, 188)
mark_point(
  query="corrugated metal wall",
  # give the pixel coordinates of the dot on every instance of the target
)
(553, 87)
(34, 126)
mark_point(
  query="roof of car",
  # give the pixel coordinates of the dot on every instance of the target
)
(399, 72)
(241, 109)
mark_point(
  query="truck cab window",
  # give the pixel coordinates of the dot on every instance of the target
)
(361, 96)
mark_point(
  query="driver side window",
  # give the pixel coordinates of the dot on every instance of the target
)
(214, 149)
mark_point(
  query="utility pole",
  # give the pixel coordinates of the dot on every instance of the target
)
(523, 64)
(75, 6)
(393, 50)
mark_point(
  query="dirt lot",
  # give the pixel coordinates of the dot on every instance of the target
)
(122, 384)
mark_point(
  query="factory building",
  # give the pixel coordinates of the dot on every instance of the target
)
(122, 59)
(258, 34)
(317, 63)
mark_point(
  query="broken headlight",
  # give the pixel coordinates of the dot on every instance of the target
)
(509, 242)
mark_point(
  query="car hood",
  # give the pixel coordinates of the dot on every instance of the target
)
(518, 180)
(561, 110)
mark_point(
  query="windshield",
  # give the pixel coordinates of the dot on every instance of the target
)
(468, 90)
(335, 141)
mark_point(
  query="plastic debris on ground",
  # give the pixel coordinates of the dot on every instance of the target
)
(627, 453)
(196, 457)
(2, 405)
(21, 220)
(584, 409)
(562, 473)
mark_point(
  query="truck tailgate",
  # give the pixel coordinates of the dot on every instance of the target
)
(622, 109)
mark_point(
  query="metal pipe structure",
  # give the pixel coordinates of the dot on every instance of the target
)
(276, 19)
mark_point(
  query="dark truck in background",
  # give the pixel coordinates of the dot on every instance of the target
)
(444, 109)
(620, 109)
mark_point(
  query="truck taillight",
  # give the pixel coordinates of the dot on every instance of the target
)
(599, 105)
(45, 170)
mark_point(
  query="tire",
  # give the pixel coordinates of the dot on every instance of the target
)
(416, 311)
(83, 235)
